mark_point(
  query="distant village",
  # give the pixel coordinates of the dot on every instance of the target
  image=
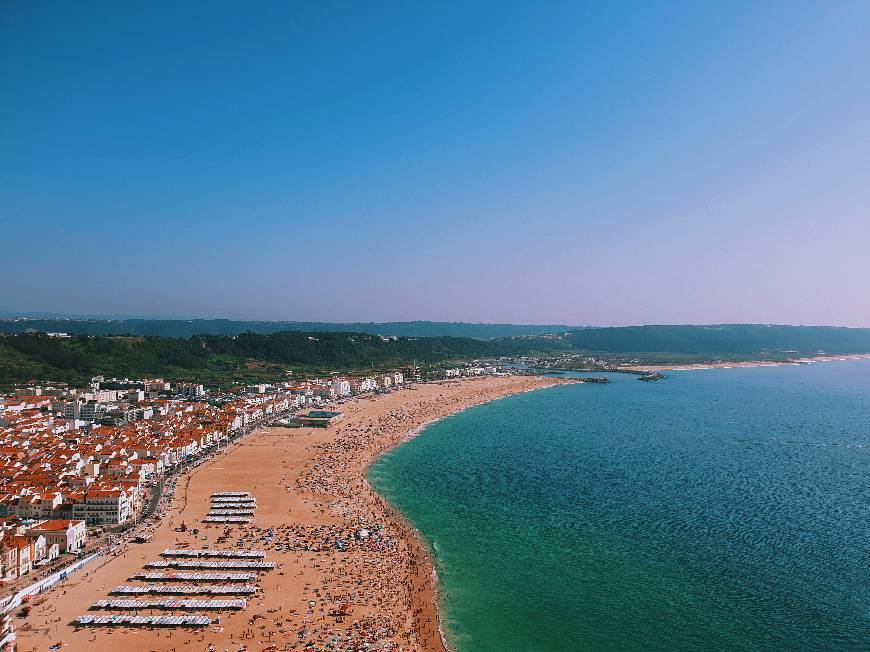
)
(77, 464)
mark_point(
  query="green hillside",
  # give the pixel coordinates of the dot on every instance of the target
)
(737, 340)
(223, 359)
(249, 357)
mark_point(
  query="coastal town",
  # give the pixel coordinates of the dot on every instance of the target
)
(89, 471)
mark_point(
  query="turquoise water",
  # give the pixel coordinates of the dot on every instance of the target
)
(722, 509)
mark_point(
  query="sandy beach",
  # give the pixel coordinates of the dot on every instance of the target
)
(749, 363)
(374, 590)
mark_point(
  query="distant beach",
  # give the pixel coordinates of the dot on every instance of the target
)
(745, 364)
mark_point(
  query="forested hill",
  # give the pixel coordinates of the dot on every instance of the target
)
(191, 327)
(350, 350)
(222, 358)
(714, 340)
(250, 356)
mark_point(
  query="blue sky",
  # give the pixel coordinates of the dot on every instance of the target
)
(583, 163)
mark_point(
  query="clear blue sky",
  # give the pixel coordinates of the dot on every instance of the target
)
(581, 163)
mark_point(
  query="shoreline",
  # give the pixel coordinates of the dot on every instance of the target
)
(745, 364)
(311, 488)
(426, 553)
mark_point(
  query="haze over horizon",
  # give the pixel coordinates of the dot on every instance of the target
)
(43, 315)
(562, 164)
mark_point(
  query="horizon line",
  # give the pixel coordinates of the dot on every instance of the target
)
(52, 316)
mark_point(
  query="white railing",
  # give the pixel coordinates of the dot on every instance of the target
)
(13, 601)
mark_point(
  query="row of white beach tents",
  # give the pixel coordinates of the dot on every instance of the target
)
(227, 507)
(117, 603)
(227, 554)
(184, 589)
(208, 563)
(194, 577)
(144, 621)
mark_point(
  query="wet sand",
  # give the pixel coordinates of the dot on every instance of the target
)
(349, 570)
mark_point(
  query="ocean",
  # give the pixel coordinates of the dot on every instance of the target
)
(723, 509)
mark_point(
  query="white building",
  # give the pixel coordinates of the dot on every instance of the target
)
(190, 390)
(340, 387)
(105, 395)
(104, 507)
(70, 536)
